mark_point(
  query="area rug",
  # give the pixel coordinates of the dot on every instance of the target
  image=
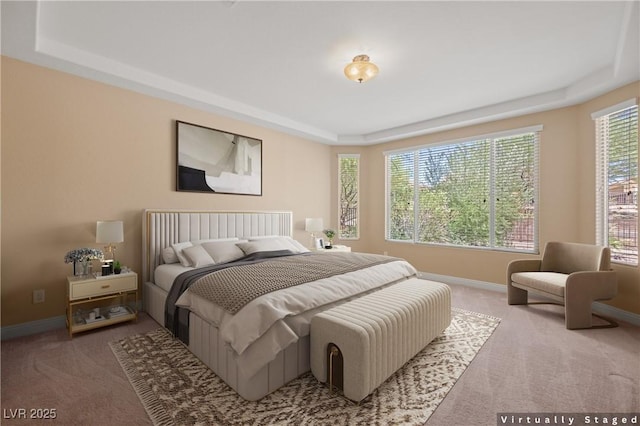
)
(177, 389)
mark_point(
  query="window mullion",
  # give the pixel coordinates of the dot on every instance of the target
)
(536, 192)
(416, 196)
(492, 193)
(602, 205)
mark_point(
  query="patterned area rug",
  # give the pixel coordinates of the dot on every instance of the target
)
(177, 389)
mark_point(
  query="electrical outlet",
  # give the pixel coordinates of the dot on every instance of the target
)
(38, 296)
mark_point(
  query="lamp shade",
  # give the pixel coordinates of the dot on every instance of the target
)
(109, 231)
(360, 69)
(313, 224)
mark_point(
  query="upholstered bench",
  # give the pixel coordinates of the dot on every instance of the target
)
(373, 336)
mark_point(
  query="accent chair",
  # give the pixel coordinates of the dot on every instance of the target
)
(570, 274)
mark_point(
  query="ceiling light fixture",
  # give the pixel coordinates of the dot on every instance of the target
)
(361, 69)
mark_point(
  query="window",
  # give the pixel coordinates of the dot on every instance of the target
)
(480, 192)
(348, 176)
(617, 180)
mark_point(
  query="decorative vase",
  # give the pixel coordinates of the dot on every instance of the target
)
(81, 268)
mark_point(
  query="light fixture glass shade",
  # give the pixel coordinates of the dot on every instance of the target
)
(361, 69)
(109, 231)
(313, 224)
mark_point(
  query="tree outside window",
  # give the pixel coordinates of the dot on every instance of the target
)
(348, 177)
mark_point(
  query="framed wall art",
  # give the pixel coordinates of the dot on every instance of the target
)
(215, 161)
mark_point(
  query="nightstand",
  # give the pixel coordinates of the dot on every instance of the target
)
(96, 301)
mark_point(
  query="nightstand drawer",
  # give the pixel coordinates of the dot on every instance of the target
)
(100, 286)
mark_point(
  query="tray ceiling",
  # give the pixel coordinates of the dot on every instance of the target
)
(279, 64)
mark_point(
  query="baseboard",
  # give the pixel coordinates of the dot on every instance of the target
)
(39, 326)
(447, 279)
(32, 327)
(598, 307)
(616, 313)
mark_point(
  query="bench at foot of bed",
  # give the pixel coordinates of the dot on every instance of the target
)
(373, 336)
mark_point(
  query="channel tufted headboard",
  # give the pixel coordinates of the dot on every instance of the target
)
(161, 228)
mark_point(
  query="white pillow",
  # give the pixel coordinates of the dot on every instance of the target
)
(298, 247)
(268, 244)
(288, 242)
(178, 247)
(169, 255)
(198, 256)
(223, 251)
(215, 240)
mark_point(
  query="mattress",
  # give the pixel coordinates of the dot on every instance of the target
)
(165, 274)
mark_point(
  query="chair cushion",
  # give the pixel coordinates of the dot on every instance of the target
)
(549, 282)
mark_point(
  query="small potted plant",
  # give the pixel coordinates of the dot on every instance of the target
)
(117, 268)
(330, 233)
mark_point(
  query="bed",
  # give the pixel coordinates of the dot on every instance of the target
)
(258, 365)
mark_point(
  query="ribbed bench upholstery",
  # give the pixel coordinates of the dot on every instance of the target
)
(378, 333)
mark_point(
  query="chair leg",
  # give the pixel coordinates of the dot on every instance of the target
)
(578, 315)
(610, 323)
(516, 296)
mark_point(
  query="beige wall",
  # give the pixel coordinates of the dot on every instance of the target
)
(75, 151)
(567, 200)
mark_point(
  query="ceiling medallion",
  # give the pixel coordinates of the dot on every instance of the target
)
(361, 69)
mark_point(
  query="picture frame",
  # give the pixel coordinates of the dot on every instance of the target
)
(319, 243)
(215, 161)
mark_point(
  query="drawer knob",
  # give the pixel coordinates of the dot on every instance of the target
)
(106, 286)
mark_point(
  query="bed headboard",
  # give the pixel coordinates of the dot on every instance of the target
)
(161, 228)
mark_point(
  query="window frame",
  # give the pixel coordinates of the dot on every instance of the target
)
(602, 190)
(415, 151)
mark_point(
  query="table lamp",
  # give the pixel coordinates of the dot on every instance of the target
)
(313, 225)
(109, 232)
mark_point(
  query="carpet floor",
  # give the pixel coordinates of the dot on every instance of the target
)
(177, 389)
(531, 363)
